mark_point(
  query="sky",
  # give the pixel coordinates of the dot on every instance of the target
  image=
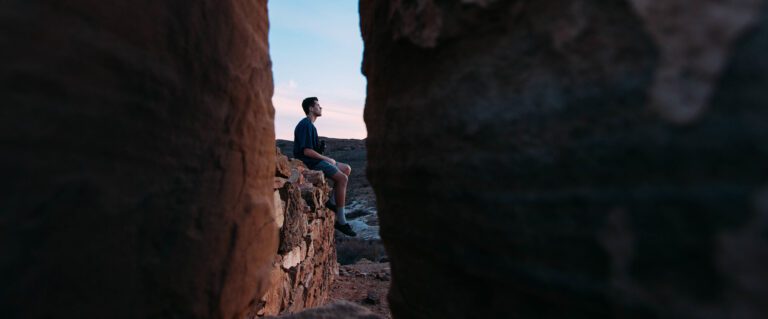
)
(317, 50)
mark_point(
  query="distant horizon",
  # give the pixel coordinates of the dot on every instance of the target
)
(326, 137)
(316, 50)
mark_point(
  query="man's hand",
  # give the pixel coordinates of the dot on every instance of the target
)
(314, 154)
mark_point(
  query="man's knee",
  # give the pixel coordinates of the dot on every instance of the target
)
(340, 177)
(344, 168)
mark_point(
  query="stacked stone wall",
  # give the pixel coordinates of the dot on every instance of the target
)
(305, 265)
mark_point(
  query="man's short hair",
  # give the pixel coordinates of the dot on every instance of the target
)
(307, 103)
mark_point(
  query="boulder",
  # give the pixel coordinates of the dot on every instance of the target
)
(313, 196)
(314, 177)
(580, 159)
(279, 182)
(283, 166)
(297, 176)
(293, 258)
(137, 158)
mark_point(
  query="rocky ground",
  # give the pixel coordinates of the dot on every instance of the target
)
(365, 283)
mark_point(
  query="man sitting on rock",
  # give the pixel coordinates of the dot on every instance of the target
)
(306, 146)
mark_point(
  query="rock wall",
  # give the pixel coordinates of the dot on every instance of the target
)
(137, 159)
(305, 265)
(580, 159)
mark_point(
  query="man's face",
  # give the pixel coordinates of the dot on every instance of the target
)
(317, 110)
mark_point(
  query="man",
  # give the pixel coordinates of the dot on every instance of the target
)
(305, 147)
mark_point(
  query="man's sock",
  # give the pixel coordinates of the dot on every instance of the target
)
(340, 218)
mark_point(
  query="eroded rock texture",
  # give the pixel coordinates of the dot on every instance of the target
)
(305, 266)
(137, 159)
(570, 159)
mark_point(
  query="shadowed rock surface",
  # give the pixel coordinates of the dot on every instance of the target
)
(336, 310)
(138, 159)
(577, 159)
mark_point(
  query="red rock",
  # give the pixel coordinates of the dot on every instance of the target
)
(137, 158)
(313, 196)
(295, 221)
(283, 166)
(279, 182)
(298, 164)
(272, 301)
(296, 176)
(314, 177)
(292, 258)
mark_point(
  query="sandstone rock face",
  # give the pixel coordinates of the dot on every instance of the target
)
(305, 266)
(579, 159)
(137, 159)
(283, 165)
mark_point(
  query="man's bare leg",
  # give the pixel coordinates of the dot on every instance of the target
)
(340, 180)
(346, 169)
(340, 193)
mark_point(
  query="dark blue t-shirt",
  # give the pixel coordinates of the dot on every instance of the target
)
(305, 136)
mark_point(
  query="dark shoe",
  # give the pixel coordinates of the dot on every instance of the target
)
(345, 229)
(330, 206)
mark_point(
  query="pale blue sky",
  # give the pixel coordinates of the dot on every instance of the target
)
(316, 50)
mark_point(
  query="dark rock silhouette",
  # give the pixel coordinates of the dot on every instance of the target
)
(138, 159)
(574, 159)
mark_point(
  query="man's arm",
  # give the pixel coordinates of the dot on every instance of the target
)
(308, 152)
